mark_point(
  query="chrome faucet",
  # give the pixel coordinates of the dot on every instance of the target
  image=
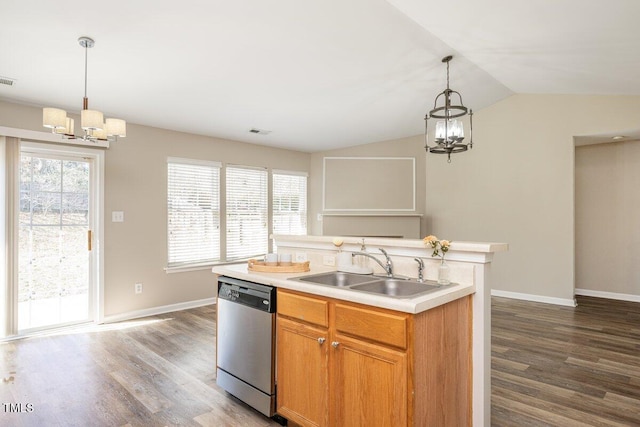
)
(388, 266)
(420, 269)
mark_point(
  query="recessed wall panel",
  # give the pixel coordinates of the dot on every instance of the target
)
(369, 184)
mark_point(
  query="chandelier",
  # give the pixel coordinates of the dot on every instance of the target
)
(448, 133)
(92, 122)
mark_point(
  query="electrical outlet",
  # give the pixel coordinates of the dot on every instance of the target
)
(138, 288)
(301, 257)
(329, 260)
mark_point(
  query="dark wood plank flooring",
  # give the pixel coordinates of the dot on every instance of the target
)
(551, 366)
(564, 366)
(156, 371)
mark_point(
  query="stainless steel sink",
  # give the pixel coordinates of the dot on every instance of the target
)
(387, 286)
(398, 288)
(337, 278)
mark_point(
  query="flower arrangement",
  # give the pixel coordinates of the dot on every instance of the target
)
(440, 247)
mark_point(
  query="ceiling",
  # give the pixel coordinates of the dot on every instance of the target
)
(317, 74)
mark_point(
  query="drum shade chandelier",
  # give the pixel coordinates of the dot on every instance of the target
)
(448, 132)
(92, 122)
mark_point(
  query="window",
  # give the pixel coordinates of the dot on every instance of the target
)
(193, 215)
(247, 212)
(289, 203)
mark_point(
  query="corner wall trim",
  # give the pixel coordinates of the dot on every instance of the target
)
(608, 295)
(158, 310)
(534, 298)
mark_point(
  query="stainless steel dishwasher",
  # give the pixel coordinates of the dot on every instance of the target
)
(245, 345)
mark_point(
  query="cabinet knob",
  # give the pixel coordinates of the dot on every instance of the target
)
(335, 344)
(321, 341)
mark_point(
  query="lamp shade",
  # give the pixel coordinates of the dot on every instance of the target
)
(91, 120)
(116, 127)
(100, 134)
(54, 118)
(71, 126)
(68, 129)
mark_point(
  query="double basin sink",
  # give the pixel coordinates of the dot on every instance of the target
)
(386, 286)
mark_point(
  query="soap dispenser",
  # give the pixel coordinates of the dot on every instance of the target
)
(363, 261)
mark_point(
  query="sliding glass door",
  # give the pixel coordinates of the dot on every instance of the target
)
(54, 254)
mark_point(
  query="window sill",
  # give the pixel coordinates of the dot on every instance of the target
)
(199, 267)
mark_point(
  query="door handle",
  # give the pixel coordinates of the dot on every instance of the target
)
(89, 239)
(335, 344)
(321, 341)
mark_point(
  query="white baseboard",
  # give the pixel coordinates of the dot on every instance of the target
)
(535, 298)
(609, 295)
(158, 310)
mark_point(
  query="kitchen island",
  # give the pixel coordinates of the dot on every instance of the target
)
(288, 281)
(419, 349)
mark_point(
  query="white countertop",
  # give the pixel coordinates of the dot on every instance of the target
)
(407, 305)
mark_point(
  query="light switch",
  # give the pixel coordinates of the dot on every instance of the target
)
(117, 216)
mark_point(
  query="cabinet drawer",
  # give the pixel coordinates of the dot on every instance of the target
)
(386, 328)
(311, 310)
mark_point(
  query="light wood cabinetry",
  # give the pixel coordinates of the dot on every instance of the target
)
(303, 359)
(347, 364)
(303, 385)
(369, 384)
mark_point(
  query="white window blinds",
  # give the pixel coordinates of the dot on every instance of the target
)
(193, 212)
(247, 212)
(289, 203)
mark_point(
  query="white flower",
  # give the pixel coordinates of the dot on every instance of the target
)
(439, 246)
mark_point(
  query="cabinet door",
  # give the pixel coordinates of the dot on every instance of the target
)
(369, 384)
(302, 373)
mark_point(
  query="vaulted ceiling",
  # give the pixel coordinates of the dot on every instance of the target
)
(317, 74)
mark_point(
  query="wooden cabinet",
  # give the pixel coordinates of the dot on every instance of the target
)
(303, 376)
(303, 359)
(347, 364)
(369, 383)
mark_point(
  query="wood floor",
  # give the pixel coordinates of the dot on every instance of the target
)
(563, 366)
(157, 371)
(552, 366)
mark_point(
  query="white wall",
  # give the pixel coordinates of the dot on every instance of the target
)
(608, 218)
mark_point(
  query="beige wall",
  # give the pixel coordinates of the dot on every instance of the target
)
(135, 182)
(515, 186)
(607, 217)
(406, 147)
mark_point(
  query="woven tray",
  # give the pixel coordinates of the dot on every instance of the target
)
(294, 267)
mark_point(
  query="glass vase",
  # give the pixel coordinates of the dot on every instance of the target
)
(443, 273)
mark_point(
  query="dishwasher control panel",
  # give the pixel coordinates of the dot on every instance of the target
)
(228, 293)
(260, 297)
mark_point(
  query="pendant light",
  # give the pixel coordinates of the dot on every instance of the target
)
(91, 121)
(448, 132)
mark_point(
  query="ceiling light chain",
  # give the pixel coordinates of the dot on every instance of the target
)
(92, 121)
(448, 131)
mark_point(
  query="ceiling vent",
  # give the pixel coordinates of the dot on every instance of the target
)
(260, 131)
(8, 81)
